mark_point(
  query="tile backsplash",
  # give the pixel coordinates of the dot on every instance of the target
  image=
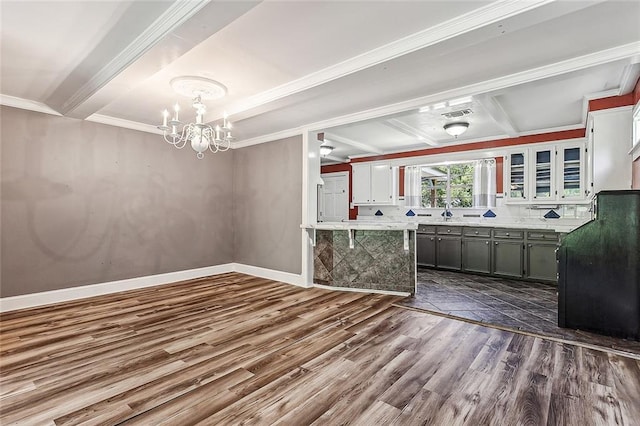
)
(571, 215)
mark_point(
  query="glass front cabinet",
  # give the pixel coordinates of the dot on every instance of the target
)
(548, 172)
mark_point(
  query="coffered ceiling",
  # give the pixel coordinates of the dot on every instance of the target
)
(367, 73)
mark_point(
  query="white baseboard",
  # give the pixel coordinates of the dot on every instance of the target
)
(66, 294)
(363, 290)
(271, 274)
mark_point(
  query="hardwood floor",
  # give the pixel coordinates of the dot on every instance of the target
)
(235, 349)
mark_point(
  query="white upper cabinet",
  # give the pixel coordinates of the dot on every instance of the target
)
(572, 173)
(374, 183)
(516, 171)
(612, 140)
(547, 173)
(361, 183)
(544, 187)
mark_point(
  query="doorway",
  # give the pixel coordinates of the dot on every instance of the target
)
(334, 201)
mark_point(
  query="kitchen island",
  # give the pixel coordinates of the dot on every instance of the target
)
(365, 255)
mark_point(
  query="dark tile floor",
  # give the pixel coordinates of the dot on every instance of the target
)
(517, 305)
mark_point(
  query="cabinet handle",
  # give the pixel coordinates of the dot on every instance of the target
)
(439, 239)
(448, 230)
(487, 242)
(507, 234)
(530, 245)
(476, 232)
(496, 243)
(431, 238)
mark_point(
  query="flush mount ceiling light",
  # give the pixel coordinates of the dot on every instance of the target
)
(202, 136)
(325, 149)
(457, 128)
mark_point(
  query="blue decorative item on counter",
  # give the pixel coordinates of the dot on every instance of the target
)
(489, 213)
(410, 213)
(551, 214)
(379, 213)
(449, 214)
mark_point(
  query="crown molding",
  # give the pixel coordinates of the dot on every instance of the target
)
(27, 104)
(477, 18)
(597, 95)
(127, 124)
(351, 142)
(174, 16)
(553, 129)
(267, 138)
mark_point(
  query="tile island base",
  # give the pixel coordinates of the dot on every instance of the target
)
(367, 259)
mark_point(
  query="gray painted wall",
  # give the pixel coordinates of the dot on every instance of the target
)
(267, 205)
(85, 203)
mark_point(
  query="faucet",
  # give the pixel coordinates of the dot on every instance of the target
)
(446, 213)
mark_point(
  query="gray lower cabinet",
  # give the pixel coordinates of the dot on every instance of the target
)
(541, 255)
(514, 253)
(449, 254)
(476, 255)
(426, 250)
(541, 262)
(508, 252)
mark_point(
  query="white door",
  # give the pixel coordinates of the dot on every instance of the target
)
(335, 198)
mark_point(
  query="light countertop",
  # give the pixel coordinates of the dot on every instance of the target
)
(549, 225)
(363, 225)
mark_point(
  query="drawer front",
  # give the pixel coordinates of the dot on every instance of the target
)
(508, 234)
(449, 230)
(477, 232)
(427, 229)
(543, 236)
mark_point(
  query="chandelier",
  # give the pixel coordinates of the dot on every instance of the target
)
(199, 135)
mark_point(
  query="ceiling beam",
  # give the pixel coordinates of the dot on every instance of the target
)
(136, 49)
(403, 127)
(346, 141)
(498, 114)
(336, 159)
(475, 19)
(629, 78)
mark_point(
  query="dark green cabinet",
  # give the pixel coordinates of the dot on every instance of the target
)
(476, 255)
(541, 255)
(508, 258)
(513, 253)
(449, 254)
(426, 255)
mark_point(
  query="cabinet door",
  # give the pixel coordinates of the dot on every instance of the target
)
(426, 255)
(476, 255)
(516, 176)
(381, 183)
(449, 253)
(543, 174)
(541, 262)
(361, 183)
(572, 172)
(508, 258)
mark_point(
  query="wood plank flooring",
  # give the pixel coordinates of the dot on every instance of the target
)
(235, 349)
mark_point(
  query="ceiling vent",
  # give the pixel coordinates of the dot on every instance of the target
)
(457, 114)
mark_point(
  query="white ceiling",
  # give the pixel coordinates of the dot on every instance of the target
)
(358, 71)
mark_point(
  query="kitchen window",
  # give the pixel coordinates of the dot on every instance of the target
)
(460, 185)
